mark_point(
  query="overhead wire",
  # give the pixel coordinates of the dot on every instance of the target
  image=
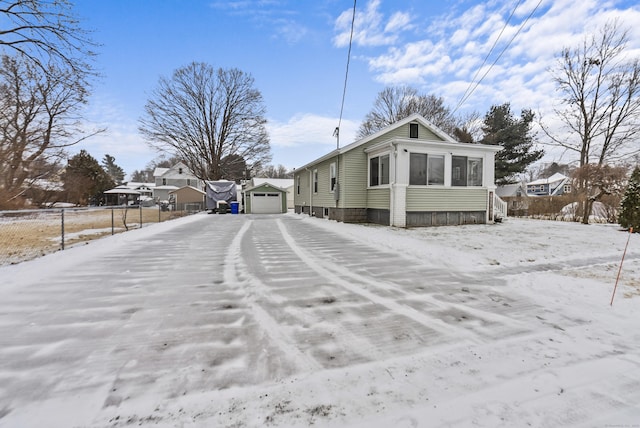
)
(336, 132)
(469, 91)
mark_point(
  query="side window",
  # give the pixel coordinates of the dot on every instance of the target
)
(435, 170)
(315, 181)
(474, 172)
(379, 170)
(298, 185)
(164, 181)
(458, 170)
(466, 171)
(332, 177)
(418, 169)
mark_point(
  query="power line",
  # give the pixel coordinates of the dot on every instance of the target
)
(336, 132)
(467, 95)
(484, 61)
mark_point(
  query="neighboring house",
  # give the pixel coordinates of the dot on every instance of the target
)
(557, 184)
(265, 198)
(515, 196)
(174, 178)
(282, 183)
(408, 174)
(187, 198)
(122, 195)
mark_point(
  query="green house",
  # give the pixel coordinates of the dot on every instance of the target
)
(265, 198)
(408, 174)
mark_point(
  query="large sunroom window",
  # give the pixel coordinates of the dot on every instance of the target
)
(379, 170)
(426, 169)
(466, 171)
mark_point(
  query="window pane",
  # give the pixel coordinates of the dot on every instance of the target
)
(315, 181)
(458, 170)
(373, 171)
(436, 170)
(413, 130)
(418, 168)
(384, 169)
(474, 172)
(332, 177)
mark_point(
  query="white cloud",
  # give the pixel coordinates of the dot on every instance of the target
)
(370, 28)
(448, 58)
(306, 129)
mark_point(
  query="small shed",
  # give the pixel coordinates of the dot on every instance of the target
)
(188, 198)
(265, 199)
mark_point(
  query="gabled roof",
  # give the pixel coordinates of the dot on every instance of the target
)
(416, 117)
(555, 178)
(187, 187)
(510, 190)
(159, 171)
(174, 172)
(278, 182)
(266, 184)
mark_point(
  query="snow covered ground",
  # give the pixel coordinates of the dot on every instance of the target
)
(233, 320)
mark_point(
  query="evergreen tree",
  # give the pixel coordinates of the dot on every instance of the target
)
(114, 171)
(630, 206)
(85, 180)
(501, 128)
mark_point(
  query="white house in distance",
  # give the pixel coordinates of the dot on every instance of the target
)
(174, 178)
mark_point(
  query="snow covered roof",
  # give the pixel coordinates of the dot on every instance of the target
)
(282, 183)
(158, 172)
(121, 190)
(167, 187)
(508, 190)
(553, 179)
(186, 187)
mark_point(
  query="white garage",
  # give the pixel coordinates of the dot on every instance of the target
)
(265, 199)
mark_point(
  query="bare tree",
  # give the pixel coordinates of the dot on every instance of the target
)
(272, 171)
(600, 110)
(38, 119)
(46, 31)
(396, 103)
(204, 116)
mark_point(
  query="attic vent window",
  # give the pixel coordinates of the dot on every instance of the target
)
(413, 130)
(179, 170)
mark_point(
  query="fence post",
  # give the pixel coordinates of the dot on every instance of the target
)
(159, 212)
(62, 227)
(140, 208)
(112, 223)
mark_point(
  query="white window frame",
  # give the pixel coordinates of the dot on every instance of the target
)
(315, 181)
(380, 171)
(332, 177)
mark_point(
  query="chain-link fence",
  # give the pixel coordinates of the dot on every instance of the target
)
(27, 234)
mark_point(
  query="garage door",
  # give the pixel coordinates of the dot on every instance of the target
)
(266, 203)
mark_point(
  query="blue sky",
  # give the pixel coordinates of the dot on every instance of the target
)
(296, 50)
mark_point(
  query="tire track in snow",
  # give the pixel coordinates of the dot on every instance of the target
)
(271, 328)
(323, 269)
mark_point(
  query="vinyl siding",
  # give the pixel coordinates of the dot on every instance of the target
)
(378, 198)
(353, 179)
(446, 199)
(303, 197)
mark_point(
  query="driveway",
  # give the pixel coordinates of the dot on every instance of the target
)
(202, 321)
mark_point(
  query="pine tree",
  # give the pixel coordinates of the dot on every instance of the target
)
(114, 171)
(85, 180)
(501, 128)
(630, 206)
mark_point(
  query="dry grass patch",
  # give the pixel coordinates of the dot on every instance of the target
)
(33, 234)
